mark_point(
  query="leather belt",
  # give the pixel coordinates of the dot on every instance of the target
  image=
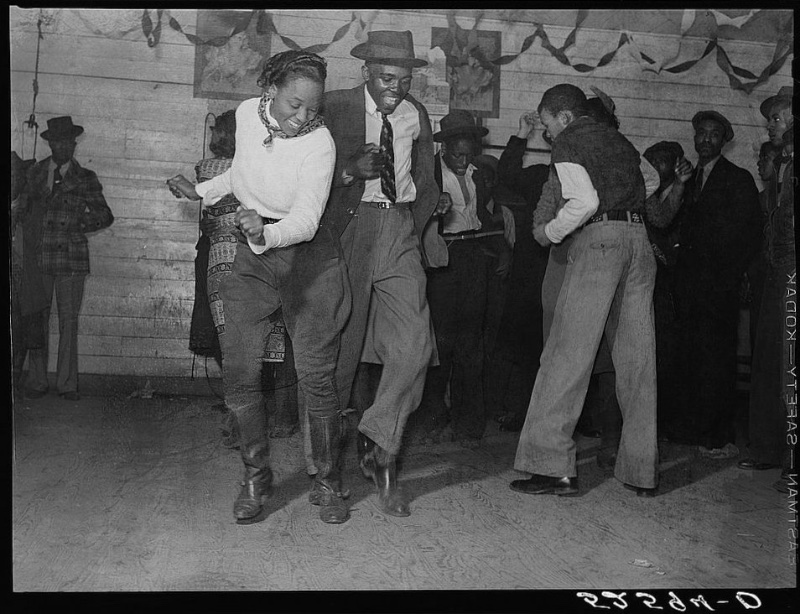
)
(633, 217)
(384, 204)
(470, 234)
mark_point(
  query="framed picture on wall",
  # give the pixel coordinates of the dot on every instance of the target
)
(474, 80)
(229, 71)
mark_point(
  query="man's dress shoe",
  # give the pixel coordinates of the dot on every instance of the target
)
(546, 485)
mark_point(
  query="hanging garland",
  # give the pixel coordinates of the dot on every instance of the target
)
(783, 49)
(264, 25)
(459, 38)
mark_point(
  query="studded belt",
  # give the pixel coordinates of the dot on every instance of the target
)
(633, 217)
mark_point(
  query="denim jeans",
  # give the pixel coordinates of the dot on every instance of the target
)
(390, 320)
(608, 287)
(309, 281)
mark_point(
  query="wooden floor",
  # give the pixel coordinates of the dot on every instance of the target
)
(118, 494)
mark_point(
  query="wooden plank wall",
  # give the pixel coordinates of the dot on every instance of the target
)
(143, 125)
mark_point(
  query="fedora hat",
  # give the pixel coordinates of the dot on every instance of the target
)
(785, 94)
(61, 128)
(388, 47)
(718, 117)
(457, 122)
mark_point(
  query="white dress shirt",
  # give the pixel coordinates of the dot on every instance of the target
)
(405, 128)
(463, 215)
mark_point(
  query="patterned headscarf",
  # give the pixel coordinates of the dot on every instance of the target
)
(274, 130)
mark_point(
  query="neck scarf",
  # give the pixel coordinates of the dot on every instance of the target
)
(275, 130)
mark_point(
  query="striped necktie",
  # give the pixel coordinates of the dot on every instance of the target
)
(56, 179)
(387, 170)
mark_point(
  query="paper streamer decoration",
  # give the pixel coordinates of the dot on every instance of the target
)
(265, 24)
(459, 38)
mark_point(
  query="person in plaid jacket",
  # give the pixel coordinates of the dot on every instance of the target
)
(62, 201)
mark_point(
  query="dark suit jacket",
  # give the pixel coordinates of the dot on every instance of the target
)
(526, 181)
(721, 231)
(345, 112)
(779, 228)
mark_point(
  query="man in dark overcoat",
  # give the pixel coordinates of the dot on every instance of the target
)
(61, 203)
(719, 234)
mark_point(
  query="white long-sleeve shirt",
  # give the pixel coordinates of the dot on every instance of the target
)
(582, 200)
(289, 180)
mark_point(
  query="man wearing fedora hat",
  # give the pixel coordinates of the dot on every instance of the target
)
(458, 293)
(767, 419)
(719, 233)
(383, 194)
(61, 202)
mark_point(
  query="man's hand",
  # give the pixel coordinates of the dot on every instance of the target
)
(207, 225)
(251, 224)
(366, 163)
(444, 205)
(683, 170)
(540, 236)
(503, 264)
(527, 124)
(180, 186)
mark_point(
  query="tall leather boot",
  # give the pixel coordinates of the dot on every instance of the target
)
(254, 447)
(381, 466)
(326, 446)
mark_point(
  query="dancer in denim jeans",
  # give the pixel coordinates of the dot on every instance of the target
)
(608, 287)
(281, 174)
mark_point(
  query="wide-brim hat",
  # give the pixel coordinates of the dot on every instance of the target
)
(785, 94)
(719, 117)
(459, 122)
(61, 128)
(388, 47)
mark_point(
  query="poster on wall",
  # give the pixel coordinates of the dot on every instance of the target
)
(229, 71)
(429, 84)
(474, 80)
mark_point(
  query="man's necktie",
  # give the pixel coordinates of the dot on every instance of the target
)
(56, 179)
(387, 170)
(698, 183)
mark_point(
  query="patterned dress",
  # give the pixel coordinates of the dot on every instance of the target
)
(222, 253)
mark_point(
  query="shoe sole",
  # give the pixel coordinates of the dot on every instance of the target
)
(391, 512)
(567, 492)
(646, 493)
(258, 516)
(261, 516)
(758, 467)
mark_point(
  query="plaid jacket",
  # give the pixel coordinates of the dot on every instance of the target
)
(55, 224)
